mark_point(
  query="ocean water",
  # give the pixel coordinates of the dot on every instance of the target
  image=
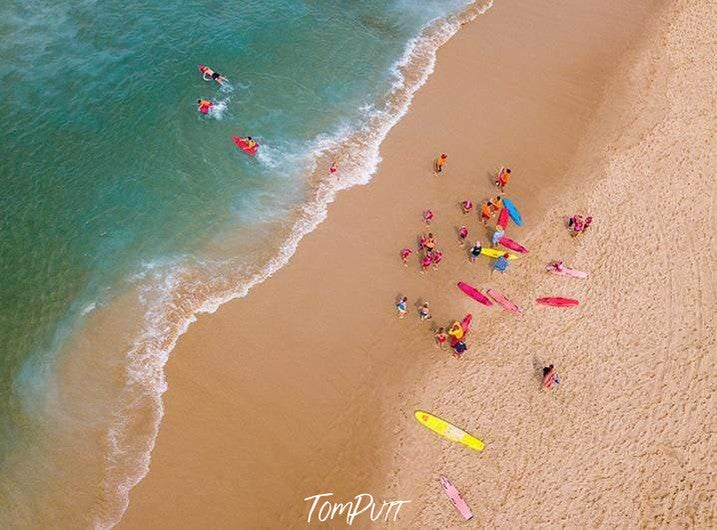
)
(124, 212)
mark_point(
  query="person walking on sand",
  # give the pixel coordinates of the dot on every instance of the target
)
(436, 257)
(428, 217)
(467, 207)
(426, 263)
(503, 178)
(405, 254)
(550, 377)
(441, 337)
(486, 212)
(441, 162)
(424, 313)
(462, 235)
(402, 307)
(475, 251)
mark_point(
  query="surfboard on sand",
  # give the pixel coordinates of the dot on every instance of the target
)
(513, 212)
(557, 301)
(448, 431)
(503, 301)
(503, 218)
(512, 245)
(495, 253)
(456, 498)
(474, 293)
(567, 271)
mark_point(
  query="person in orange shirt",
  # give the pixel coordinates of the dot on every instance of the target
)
(486, 212)
(203, 105)
(503, 178)
(440, 162)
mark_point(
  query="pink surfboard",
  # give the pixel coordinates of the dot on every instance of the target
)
(503, 301)
(456, 498)
(466, 323)
(474, 293)
(557, 301)
(567, 271)
(503, 218)
(512, 245)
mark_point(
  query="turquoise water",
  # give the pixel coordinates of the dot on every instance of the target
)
(111, 180)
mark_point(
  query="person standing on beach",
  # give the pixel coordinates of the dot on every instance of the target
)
(402, 307)
(496, 237)
(462, 235)
(441, 337)
(436, 257)
(550, 377)
(424, 313)
(334, 168)
(475, 251)
(503, 178)
(426, 263)
(405, 253)
(430, 243)
(428, 217)
(441, 162)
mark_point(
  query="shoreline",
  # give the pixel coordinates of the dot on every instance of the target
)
(232, 382)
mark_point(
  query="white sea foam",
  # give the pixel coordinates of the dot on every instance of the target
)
(169, 313)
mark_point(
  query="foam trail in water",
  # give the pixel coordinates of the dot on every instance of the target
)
(170, 316)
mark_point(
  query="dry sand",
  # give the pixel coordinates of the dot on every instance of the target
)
(309, 384)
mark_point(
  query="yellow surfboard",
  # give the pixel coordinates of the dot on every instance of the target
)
(449, 431)
(495, 253)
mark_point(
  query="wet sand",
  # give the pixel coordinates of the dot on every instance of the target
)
(308, 385)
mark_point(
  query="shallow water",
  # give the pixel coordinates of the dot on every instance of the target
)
(124, 211)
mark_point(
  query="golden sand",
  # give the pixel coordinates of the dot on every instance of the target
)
(309, 384)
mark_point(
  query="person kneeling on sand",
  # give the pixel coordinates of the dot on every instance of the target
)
(424, 313)
(501, 264)
(459, 349)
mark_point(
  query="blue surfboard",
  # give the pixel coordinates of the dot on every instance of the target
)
(513, 212)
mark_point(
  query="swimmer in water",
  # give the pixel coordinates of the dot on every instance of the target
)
(210, 75)
(203, 105)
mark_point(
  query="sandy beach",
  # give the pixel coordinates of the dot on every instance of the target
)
(309, 384)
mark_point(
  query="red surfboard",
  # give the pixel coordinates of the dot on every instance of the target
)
(241, 144)
(512, 245)
(474, 293)
(503, 218)
(557, 301)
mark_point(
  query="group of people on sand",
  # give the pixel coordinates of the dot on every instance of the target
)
(429, 256)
